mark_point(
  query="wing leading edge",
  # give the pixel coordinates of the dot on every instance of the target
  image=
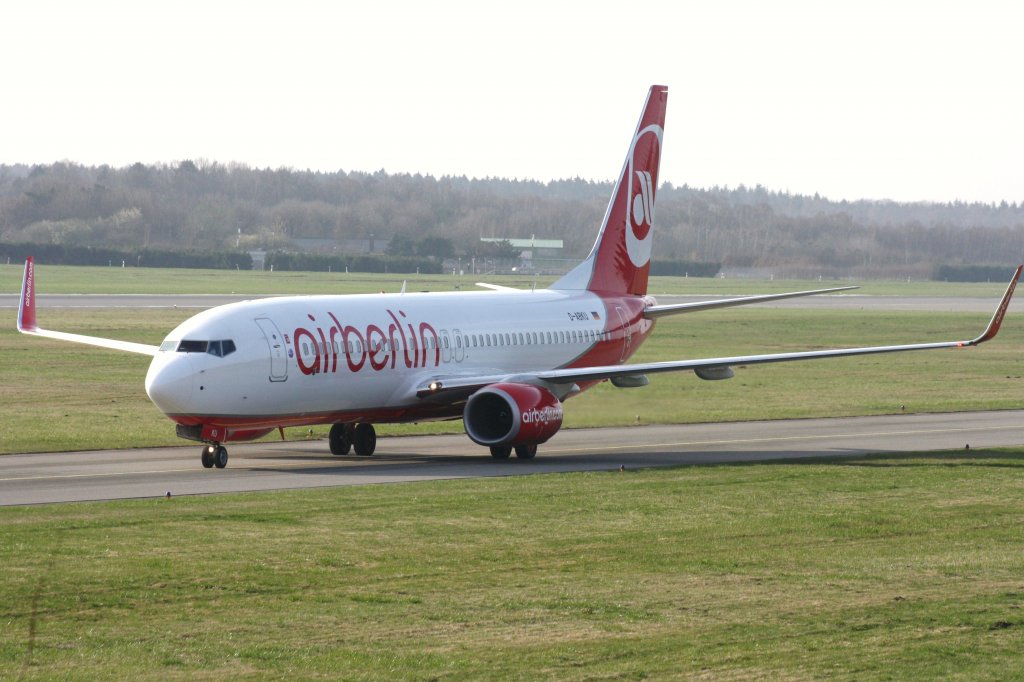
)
(655, 311)
(27, 321)
(463, 384)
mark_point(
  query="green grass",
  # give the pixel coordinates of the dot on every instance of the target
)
(63, 396)
(899, 567)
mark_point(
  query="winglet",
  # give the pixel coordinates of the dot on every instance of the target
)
(997, 317)
(27, 321)
(27, 306)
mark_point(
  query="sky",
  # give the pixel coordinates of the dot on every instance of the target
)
(901, 100)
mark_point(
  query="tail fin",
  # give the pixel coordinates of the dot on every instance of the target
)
(619, 263)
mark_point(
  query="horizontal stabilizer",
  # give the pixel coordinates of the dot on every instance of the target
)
(498, 287)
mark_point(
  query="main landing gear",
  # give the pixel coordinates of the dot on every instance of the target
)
(215, 455)
(522, 451)
(359, 437)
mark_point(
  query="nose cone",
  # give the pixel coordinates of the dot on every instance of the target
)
(169, 382)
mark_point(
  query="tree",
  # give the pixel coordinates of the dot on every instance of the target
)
(436, 247)
(401, 245)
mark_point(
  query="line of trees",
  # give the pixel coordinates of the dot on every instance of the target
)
(202, 207)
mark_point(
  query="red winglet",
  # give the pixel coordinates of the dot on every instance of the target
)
(27, 307)
(997, 318)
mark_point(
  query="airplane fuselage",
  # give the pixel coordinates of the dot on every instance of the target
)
(328, 359)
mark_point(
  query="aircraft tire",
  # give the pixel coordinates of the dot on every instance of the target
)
(364, 440)
(340, 439)
(501, 451)
(220, 457)
(207, 456)
(526, 451)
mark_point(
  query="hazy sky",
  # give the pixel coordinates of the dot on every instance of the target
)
(900, 100)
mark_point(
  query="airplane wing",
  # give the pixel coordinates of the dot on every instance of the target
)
(654, 311)
(710, 368)
(27, 321)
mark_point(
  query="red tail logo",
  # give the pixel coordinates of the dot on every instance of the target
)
(620, 260)
(646, 153)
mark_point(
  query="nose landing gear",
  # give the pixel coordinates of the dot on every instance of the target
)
(215, 455)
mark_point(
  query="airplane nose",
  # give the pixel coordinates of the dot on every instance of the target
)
(169, 382)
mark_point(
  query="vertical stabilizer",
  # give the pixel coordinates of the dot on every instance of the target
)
(619, 263)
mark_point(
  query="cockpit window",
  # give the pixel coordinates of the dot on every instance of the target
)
(169, 344)
(189, 346)
(221, 348)
(218, 348)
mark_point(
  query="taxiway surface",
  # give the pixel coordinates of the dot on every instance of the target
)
(149, 473)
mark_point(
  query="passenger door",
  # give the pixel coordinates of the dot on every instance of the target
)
(275, 344)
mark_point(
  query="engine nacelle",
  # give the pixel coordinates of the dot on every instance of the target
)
(512, 414)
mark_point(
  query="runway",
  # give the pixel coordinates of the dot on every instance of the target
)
(151, 473)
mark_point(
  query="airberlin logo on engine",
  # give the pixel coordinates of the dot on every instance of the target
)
(542, 416)
(376, 346)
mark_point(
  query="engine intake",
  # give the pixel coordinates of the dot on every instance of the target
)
(512, 414)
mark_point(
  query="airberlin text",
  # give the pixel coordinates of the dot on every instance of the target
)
(542, 416)
(376, 347)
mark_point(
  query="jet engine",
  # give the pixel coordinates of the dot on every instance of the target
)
(512, 414)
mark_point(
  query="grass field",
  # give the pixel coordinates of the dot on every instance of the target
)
(885, 567)
(61, 396)
(872, 568)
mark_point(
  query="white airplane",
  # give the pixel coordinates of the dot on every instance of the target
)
(503, 360)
